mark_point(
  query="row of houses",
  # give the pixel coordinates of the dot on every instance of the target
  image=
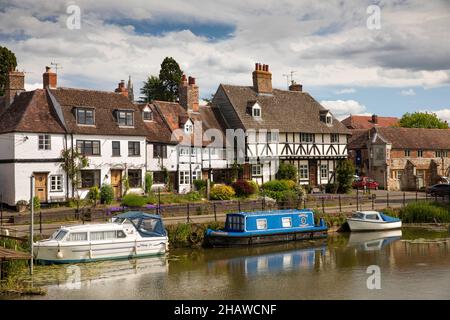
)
(255, 126)
(398, 158)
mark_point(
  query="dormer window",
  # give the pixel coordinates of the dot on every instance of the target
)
(147, 114)
(256, 111)
(188, 127)
(125, 118)
(329, 119)
(85, 116)
(326, 117)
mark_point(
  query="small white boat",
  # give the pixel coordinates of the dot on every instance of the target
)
(372, 221)
(129, 235)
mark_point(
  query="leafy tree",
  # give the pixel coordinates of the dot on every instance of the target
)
(344, 175)
(148, 182)
(164, 87)
(422, 120)
(170, 77)
(8, 62)
(106, 193)
(287, 171)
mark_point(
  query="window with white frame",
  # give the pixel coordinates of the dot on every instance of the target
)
(125, 118)
(307, 137)
(441, 154)
(419, 153)
(334, 137)
(193, 151)
(272, 137)
(196, 175)
(329, 119)
(56, 183)
(256, 111)
(286, 222)
(324, 171)
(407, 153)
(147, 115)
(184, 177)
(256, 170)
(304, 172)
(183, 151)
(188, 127)
(77, 236)
(261, 224)
(44, 142)
(85, 116)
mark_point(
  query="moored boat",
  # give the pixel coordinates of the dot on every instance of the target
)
(372, 221)
(129, 235)
(262, 227)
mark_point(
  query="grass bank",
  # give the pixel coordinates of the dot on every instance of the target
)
(185, 235)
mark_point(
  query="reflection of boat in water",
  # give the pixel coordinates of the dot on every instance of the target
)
(272, 261)
(103, 271)
(375, 240)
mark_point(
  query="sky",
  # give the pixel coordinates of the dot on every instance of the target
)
(355, 56)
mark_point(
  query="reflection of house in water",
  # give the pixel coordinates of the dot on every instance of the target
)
(272, 262)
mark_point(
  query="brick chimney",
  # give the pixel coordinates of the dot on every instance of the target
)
(122, 89)
(295, 87)
(15, 84)
(49, 78)
(189, 94)
(374, 119)
(262, 78)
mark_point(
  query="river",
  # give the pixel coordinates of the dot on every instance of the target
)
(407, 264)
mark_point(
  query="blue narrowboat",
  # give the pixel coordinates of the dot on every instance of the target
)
(249, 228)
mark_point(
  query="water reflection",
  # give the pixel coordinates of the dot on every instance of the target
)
(373, 241)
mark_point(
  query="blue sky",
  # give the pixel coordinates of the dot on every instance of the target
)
(401, 66)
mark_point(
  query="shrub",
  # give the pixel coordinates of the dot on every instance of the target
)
(222, 192)
(148, 182)
(287, 171)
(193, 196)
(199, 184)
(133, 200)
(344, 175)
(106, 194)
(331, 188)
(244, 188)
(287, 199)
(279, 185)
(425, 212)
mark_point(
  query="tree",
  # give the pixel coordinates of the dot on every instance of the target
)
(8, 62)
(164, 87)
(152, 90)
(287, 171)
(73, 162)
(344, 175)
(422, 120)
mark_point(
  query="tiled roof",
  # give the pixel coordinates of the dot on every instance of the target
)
(105, 103)
(365, 122)
(415, 138)
(157, 129)
(359, 139)
(287, 111)
(30, 112)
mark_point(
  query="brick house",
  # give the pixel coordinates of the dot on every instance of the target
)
(355, 122)
(405, 158)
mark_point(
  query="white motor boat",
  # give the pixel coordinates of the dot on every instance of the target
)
(372, 221)
(129, 235)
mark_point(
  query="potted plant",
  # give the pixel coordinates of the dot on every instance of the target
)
(21, 205)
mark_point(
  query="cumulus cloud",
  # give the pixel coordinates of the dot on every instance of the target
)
(443, 114)
(326, 43)
(409, 92)
(343, 108)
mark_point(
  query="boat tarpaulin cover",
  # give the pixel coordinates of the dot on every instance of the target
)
(148, 225)
(388, 218)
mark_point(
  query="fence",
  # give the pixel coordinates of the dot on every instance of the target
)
(216, 210)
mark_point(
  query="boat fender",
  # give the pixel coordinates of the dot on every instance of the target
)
(59, 255)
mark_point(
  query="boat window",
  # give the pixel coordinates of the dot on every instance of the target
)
(148, 225)
(103, 235)
(372, 216)
(287, 222)
(235, 223)
(261, 224)
(77, 236)
(121, 234)
(60, 235)
(358, 215)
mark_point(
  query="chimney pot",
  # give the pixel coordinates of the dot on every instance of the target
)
(374, 118)
(191, 80)
(295, 87)
(262, 81)
(15, 84)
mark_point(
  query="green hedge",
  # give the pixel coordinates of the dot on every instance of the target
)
(133, 200)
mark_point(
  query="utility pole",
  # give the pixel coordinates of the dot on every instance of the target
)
(57, 66)
(31, 223)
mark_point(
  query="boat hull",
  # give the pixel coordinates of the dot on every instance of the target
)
(364, 225)
(223, 240)
(74, 253)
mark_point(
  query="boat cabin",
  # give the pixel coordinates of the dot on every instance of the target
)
(373, 216)
(269, 221)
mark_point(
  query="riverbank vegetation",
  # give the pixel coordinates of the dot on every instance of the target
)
(183, 235)
(425, 212)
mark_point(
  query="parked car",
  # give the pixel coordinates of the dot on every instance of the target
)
(442, 189)
(365, 183)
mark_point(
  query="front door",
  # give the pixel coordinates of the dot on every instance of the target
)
(313, 172)
(40, 186)
(116, 183)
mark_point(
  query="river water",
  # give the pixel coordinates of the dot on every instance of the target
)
(412, 263)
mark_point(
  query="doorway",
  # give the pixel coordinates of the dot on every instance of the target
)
(40, 186)
(116, 183)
